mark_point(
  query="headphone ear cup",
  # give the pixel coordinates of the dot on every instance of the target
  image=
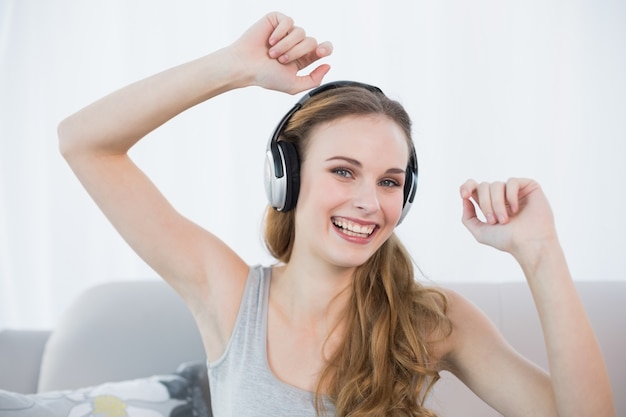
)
(410, 186)
(282, 175)
(274, 177)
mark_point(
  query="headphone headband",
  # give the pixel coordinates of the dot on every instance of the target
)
(282, 168)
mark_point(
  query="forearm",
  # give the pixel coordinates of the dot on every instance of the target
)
(578, 372)
(116, 122)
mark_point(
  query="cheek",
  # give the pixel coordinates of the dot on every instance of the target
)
(321, 192)
(392, 206)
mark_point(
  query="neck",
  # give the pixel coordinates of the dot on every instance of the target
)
(307, 291)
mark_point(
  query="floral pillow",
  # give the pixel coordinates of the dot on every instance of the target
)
(184, 393)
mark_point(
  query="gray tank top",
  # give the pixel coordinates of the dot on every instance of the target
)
(242, 384)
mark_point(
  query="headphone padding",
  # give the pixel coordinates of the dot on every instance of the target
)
(292, 173)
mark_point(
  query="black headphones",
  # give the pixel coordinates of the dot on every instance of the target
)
(282, 165)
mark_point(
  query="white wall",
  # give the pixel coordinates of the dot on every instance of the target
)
(496, 89)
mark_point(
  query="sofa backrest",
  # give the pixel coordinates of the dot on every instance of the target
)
(118, 331)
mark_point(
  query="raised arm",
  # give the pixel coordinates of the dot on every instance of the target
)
(519, 220)
(96, 139)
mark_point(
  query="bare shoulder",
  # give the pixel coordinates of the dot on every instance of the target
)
(470, 331)
(478, 354)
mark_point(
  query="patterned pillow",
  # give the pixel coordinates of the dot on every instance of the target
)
(184, 393)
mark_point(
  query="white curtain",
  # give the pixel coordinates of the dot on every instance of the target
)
(496, 89)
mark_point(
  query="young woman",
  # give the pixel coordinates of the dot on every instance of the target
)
(339, 326)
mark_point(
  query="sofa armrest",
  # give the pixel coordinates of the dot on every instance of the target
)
(20, 359)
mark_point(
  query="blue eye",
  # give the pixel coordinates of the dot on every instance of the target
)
(342, 172)
(389, 183)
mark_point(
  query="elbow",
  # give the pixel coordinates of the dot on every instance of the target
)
(72, 139)
(64, 137)
(83, 138)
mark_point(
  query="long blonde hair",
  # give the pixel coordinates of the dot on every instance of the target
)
(385, 365)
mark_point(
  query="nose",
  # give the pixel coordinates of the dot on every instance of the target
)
(365, 197)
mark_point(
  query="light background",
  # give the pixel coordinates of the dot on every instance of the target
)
(496, 89)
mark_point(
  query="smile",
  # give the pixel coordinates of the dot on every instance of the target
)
(351, 228)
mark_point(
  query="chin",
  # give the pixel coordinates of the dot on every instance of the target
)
(351, 260)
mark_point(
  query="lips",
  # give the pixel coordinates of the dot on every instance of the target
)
(353, 229)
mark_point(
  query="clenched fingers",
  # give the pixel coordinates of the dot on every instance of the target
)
(496, 200)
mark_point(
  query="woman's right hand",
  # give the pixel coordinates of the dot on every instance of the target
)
(273, 51)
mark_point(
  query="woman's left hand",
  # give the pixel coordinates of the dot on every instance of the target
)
(517, 215)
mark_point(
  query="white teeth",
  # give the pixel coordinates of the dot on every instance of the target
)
(354, 229)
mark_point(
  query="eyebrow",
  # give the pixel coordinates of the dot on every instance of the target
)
(358, 164)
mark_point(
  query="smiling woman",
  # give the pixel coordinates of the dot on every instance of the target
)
(357, 160)
(495, 90)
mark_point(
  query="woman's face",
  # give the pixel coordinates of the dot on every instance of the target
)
(351, 192)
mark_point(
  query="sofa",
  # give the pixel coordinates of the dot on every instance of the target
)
(122, 332)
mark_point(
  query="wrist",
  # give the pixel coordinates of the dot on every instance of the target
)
(219, 72)
(238, 72)
(532, 254)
